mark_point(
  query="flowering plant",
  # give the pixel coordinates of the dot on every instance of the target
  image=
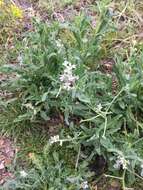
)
(61, 77)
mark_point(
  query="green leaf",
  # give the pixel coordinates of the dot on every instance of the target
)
(44, 96)
(83, 98)
(44, 116)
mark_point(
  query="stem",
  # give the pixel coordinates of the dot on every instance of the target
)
(90, 119)
(137, 141)
(59, 92)
(77, 160)
(123, 180)
(119, 178)
(45, 187)
(122, 12)
(106, 112)
(105, 128)
(114, 99)
(114, 177)
(135, 174)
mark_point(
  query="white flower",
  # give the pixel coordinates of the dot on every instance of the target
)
(60, 46)
(68, 79)
(84, 185)
(99, 107)
(67, 86)
(54, 139)
(68, 65)
(121, 162)
(59, 43)
(23, 174)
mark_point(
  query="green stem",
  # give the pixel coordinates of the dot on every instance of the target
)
(123, 180)
(105, 128)
(135, 174)
(114, 177)
(59, 92)
(114, 99)
(77, 160)
(141, 139)
(90, 119)
(106, 112)
(119, 178)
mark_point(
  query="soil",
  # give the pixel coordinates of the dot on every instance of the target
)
(7, 155)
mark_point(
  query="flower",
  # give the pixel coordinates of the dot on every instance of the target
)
(84, 185)
(16, 11)
(23, 174)
(99, 107)
(59, 43)
(68, 79)
(60, 46)
(1, 3)
(54, 139)
(121, 162)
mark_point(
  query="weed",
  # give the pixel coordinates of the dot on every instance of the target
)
(60, 75)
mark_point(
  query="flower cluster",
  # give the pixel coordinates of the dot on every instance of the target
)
(59, 43)
(84, 185)
(1, 3)
(68, 79)
(99, 107)
(60, 46)
(55, 139)
(23, 174)
(16, 11)
(10, 9)
(121, 162)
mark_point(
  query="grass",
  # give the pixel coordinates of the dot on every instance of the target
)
(71, 132)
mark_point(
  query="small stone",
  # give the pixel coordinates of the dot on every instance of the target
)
(2, 166)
